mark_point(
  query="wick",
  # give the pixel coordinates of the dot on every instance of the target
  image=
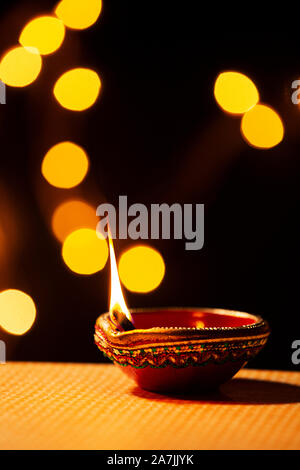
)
(120, 320)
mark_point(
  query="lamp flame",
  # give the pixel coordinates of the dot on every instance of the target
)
(117, 301)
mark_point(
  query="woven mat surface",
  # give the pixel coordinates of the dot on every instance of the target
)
(76, 406)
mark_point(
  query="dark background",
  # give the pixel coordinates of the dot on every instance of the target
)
(157, 135)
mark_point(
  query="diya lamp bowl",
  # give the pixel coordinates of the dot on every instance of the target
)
(181, 349)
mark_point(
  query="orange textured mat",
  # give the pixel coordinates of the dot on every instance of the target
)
(83, 406)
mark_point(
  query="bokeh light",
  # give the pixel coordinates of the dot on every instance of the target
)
(79, 14)
(262, 127)
(84, 252)
(65, 165)
(20, 66)
(235, 92)
(45, 33)
(73, 215)
(17, 311)
(141, 269)
(2, 244)
(77, 89)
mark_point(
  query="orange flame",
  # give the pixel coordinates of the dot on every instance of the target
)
(117, 301)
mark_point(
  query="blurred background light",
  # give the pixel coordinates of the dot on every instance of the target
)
(73, 215)
(45, 33)
(262, 127)
(79, 14)
(77, 89)
(235, 92)
(84, 252)
(141, 269)
(20, 66)
(2, 243)
(65, 165)
(17, 311)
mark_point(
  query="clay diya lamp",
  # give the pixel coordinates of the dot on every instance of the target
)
(181, 349)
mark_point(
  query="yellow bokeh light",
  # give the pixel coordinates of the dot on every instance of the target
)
(77, 89)
(235, 92)
(79, 14)
(20, 66)
(73, 215)
(65, 165)
(45, 33)
(262, 127)
(84, 252)
(17, 311)
(141, 269)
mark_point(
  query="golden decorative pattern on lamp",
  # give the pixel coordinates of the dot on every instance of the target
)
(178, 346)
